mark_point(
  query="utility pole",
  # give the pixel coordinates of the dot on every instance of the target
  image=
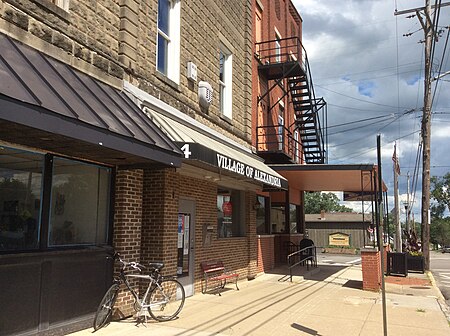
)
(408, 226)
(398, 227)
(426, 137)
(429, 32)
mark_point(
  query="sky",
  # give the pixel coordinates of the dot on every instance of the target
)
(371, 76)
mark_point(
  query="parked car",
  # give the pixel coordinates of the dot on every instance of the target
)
(446, 249)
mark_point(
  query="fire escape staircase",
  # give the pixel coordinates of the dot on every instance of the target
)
(286, 59)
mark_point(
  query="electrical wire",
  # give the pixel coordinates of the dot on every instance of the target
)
(364, 101)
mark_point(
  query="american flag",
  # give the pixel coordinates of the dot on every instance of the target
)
(395, 160)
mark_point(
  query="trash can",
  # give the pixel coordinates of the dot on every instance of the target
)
(397, 263)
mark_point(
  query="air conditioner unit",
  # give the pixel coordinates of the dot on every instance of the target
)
(192, 71)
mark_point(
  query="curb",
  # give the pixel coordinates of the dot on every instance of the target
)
(441, 300)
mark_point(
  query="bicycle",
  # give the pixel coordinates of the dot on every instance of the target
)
(163, 298)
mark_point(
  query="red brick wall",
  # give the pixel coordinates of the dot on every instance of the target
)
(371, 271)
(127, 225)
(266, 253)
(159, 218)
(162, 191)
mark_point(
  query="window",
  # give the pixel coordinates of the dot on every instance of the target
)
(278, 218)
(79, 203)
(262, 215)
(64, 4)
(230, 209)
(76, 212)
(21, 177)
(277, 47)
(225, 82)
(293, 218)
(168, 44)
(281, 128)
(296, 147)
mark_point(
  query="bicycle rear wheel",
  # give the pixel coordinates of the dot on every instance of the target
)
(165, 302)
(104, 310)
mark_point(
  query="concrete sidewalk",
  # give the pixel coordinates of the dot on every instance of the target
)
(326, 301)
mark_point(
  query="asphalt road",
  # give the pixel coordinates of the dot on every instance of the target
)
(440, 268)
(338, 259)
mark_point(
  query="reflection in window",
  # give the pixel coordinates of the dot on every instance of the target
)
(168, 40)
(20, 198)
(278, 218)
(293, 218)
(230, 219)
(261, 219)
(79, 203)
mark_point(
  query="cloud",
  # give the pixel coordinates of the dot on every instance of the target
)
(366, 69)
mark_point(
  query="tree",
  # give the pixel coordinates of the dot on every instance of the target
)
(329, 202)
(440, 223)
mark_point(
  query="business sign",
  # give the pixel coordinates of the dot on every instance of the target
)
(196, 151)
(339, 239)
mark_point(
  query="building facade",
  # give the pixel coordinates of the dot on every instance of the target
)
(126, 126)
(285, 119)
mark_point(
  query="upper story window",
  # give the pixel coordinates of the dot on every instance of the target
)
(64, 4)
(168, 44)
(225, 82)
(277, 47)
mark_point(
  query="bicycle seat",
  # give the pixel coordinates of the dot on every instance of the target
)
(156, 265)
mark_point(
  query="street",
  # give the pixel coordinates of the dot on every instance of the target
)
(440, 268)
(338, 259)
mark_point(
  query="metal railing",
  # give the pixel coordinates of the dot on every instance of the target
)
(301, 257)
(278, 138)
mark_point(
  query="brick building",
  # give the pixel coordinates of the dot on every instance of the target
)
(286, 122)
(127, 126)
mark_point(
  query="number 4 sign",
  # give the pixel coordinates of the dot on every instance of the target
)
(186, 150)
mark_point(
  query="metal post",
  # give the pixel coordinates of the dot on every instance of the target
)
(380, 243)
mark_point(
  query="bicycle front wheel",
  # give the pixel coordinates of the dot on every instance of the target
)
(104, 310)
(166, 300)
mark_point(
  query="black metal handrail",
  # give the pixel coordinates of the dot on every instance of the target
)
(270, 139)
(305, 254)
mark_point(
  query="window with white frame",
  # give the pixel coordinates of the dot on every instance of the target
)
(296, 146)
(277, 47)
(64, 4)
(281, 127)
(225, 82)
(168, 44)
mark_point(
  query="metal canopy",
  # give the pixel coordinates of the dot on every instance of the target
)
(349, 178)
(47, 104)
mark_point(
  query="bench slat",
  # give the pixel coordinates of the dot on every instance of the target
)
(215, 271)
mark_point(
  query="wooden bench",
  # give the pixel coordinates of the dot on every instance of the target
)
(214, 271)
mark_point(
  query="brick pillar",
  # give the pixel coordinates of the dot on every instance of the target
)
(127, 225)
(371, 269)
(160, 218)
(266, 253)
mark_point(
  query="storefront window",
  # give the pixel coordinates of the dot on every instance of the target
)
(293, 218)
(79, 203)
(20, 198)
(78, 211)
(262, 226)
(278, 218)
(230, 222)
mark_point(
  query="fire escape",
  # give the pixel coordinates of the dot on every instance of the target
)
(283, 63)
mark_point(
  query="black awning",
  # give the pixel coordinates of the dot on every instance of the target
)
(48, 104)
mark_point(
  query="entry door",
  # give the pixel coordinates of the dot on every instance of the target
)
(186, 248)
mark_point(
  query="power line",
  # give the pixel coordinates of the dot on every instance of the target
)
(364, 101)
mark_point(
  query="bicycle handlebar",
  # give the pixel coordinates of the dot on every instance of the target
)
(132, 264)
